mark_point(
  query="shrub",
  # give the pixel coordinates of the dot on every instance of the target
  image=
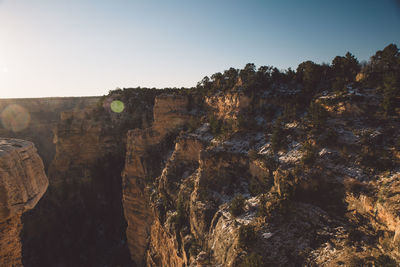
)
(257, 187)
(227, 127)
(247, 123)
(317, 115)
(193, 124)
(285, 186)
(253, 155)
(390, 92)
(194, 248)
(269, 112)
(270, 162)
(356, 262)
(376, 159)
(290, 112)
(262, 209)
(385, 261)
(237, 205)
(329, 138)
(277, 138)
(180, 215)
(309, 154)
(247, 235)
(215, 125)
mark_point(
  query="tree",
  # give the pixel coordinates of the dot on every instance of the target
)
(317, 114)
(277, 138)
(248, 77)
(384, 62)
(344, 70)
(237, 206)
(230, 78)
(309, 74)
(391, 92)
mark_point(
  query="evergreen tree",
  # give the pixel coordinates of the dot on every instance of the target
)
(309, 74)
(344, 70)
(391, 92)
(277, 138)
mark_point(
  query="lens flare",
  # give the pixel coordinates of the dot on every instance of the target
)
(117, 106)
(15, 118)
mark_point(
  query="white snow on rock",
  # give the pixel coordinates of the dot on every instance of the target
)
(291, 125)
(293, 155)
(265, 149)
(267, 235)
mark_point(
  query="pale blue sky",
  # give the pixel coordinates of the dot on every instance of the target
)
(87, 47)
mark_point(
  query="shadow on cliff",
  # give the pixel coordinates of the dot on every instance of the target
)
(82, 224)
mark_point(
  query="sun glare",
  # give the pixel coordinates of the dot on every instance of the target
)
(15, 118)
(117, 106)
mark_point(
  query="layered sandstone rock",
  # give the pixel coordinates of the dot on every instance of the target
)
(179, 188)
(22, 184)
(146, 150)
(229, 105)
(175, 192)
(83, 206)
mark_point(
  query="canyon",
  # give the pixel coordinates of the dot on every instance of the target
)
(184, 179)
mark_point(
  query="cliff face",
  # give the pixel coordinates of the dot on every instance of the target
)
(83, 206)
(146, 152)
(22, 184)
(172, 184)
(35, 119)
(203, 198)
(224, 180)
(229, 105)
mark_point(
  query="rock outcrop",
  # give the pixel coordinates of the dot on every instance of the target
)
(146, 152)
(83, 206)
(22, 184)
(219, 195)
(228, 105)
(242, 176)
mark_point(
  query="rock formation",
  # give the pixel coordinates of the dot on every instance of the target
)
(181, 188)
(146, 151)
(37, 120)
(250, 168)
(83, 206)
(22, 184)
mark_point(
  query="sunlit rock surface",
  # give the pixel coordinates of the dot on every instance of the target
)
(145, 153)
(22, 183)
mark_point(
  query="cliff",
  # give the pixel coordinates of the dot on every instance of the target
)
(201, 192)
(22, 184)
(235, 178)
(83, 205)
(34, 119)
(146, 150)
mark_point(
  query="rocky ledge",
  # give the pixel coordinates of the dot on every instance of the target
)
(22, 183)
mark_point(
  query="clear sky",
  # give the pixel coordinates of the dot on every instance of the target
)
(88, 47)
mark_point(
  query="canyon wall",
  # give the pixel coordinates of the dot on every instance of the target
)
(233, 179)
(83, 206)
(146, 152)
(22, 184)
(173, 182)
(34, 119)
(201, 192)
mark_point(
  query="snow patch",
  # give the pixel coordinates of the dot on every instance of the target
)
(267, 235)
(293, 155)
